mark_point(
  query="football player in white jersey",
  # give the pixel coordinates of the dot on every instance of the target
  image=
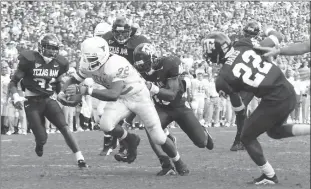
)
(125, 92)
(199, 94)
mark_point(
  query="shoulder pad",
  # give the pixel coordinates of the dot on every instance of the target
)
(135, 40)
(29, 55)
(62, 60)
(244, 42)
(108, 36)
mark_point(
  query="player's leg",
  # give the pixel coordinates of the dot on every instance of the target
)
(23, 122)
(147, 112)
(266, 116)
(166, 164)
(237, 144)
(34, 113)
(192, 127)
(281, 130)
(114, 113)
(55, 115)
(200, 110)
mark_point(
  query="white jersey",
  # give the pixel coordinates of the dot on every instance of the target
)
(199, 88)
(115, 69)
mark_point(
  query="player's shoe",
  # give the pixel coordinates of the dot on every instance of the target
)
(39, 150)
(132, 142)
(110, 144)
(181, 168)
(236, 146)
(264, 180)
(210, 142)
(120, 156)
(167, 171)
(82, 164)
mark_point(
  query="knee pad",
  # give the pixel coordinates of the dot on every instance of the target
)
(42, 140)
(246, 139)
(200, 144)
(64, 129)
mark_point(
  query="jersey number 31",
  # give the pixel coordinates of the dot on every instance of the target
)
(263, 68)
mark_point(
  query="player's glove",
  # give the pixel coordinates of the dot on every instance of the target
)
(18, 101)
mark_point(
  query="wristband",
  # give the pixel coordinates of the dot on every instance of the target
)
(154, 89)
(16, 96)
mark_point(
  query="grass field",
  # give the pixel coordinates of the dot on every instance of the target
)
(216, 169)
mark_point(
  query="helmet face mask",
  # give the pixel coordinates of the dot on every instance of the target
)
(95, 53)
(48, 46)
(252, 29)
(121, 30)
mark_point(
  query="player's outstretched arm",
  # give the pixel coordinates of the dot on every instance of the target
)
(17, 100)
(290, 50)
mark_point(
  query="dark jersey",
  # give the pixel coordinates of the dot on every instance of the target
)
(125, 50)
(160, 78)
(40, 77)
(245, 70)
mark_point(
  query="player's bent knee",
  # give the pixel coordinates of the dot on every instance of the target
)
(106, 125)
(200, 144)
(274, 134)
(157, 136)
(246, 139)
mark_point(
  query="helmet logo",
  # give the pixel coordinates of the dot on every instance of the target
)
(209, 45)
(147, 49)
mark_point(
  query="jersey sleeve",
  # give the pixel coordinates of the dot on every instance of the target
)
(80, 75)
(64, 63)
(23, 63)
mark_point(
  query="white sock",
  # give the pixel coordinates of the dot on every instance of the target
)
(79, 156)
(123, 136)
(176, 158)
(301, 129)
(267, 170)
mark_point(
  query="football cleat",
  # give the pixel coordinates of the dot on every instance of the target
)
(167, 171)
(264, 180)
(181, 168)
(236, 146)
(39, 150)
(210, 142)
(82, 164)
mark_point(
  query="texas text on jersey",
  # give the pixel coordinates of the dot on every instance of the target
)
(40, 77)
(160, 77)
(126, 50)
(245, 70)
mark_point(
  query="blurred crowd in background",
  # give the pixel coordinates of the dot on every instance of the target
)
(173, 27)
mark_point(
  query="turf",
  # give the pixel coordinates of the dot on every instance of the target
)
(216, 169)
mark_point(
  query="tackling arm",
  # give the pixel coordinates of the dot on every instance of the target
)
(296, 49)
(169, 93)
(18, 75)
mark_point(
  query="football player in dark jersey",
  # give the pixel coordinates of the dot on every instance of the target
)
(41, 72)
(122, 41)
(243, 69)
(251, 34)
(167, 89)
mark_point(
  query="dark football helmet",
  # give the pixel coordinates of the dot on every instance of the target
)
(48, 45)
(252, 29)
(145, 58)
(121, 30)
(216, 45)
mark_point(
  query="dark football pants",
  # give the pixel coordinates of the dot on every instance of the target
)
(187, 121)
(36, 109)
(267, 116)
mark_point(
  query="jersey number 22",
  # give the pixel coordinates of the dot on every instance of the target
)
(248, 57)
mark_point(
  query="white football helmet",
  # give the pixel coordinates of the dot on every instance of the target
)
(94, 53)
(102, 28)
